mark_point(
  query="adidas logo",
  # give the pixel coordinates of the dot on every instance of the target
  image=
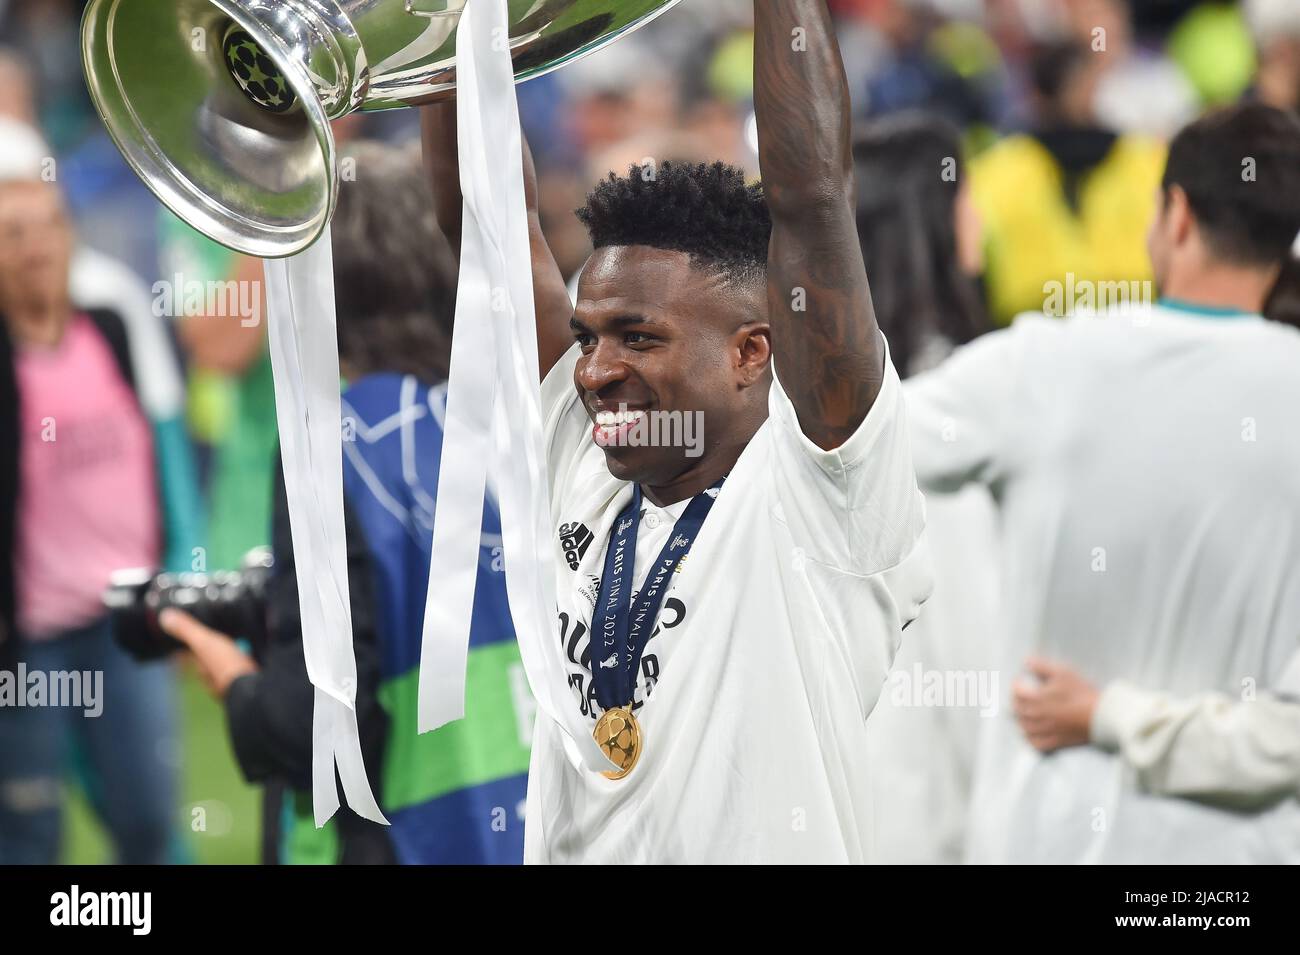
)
(574, 541)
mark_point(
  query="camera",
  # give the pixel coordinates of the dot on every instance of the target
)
(232, 602)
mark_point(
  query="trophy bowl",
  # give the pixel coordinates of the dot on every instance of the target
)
(223, 107)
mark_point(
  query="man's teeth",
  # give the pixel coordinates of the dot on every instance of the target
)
(616, 419)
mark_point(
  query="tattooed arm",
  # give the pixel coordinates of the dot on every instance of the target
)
(824, 336)
(550, 296)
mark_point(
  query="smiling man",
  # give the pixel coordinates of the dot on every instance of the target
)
(728, 613)
(672, 320)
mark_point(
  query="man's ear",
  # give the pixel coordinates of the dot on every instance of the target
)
(754, 346)
(1180, 221)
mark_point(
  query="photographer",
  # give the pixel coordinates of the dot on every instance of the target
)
(452, 796)
(268, 702)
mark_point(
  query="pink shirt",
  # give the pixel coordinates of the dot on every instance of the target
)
(87, 499)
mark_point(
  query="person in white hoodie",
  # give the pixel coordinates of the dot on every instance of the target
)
(1144, 462)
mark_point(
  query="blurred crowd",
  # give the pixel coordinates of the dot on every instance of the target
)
(1063, 108)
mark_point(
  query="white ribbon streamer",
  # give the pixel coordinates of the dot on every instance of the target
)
(305, 364)
(494, 402)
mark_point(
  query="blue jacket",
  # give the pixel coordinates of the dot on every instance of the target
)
(455, 795)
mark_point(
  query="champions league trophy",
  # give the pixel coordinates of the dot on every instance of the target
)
(223, 108)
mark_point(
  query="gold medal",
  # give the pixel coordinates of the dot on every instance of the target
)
(619, 737)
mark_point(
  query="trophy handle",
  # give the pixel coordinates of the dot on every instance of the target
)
(414, 8)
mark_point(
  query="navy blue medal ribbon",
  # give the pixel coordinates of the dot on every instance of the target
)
(621, 631)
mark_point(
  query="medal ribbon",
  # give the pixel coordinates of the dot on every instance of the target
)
(622, 630)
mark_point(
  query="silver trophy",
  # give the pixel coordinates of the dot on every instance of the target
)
(223, 106)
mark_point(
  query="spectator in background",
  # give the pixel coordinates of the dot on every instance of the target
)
(1067, 202)
(920, 239)
(949, 68)
(918, 226)
(712, 98)
(17, 96)
(605, 101)
(112, 209)
(50, 33)
(1212, 45)
(85, 483)
(1139, 90)
(231, 392)
(101, 281)
(1144, 462)
(1275, 25)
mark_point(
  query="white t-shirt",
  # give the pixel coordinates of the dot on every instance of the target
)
(1147, 469)
(769, 652)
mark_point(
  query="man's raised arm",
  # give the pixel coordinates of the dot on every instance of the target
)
(550, 296)
(824, 336)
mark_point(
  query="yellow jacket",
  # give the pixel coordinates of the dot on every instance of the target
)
(1033, 239)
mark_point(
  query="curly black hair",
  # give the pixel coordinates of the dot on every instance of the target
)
(706, 210)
